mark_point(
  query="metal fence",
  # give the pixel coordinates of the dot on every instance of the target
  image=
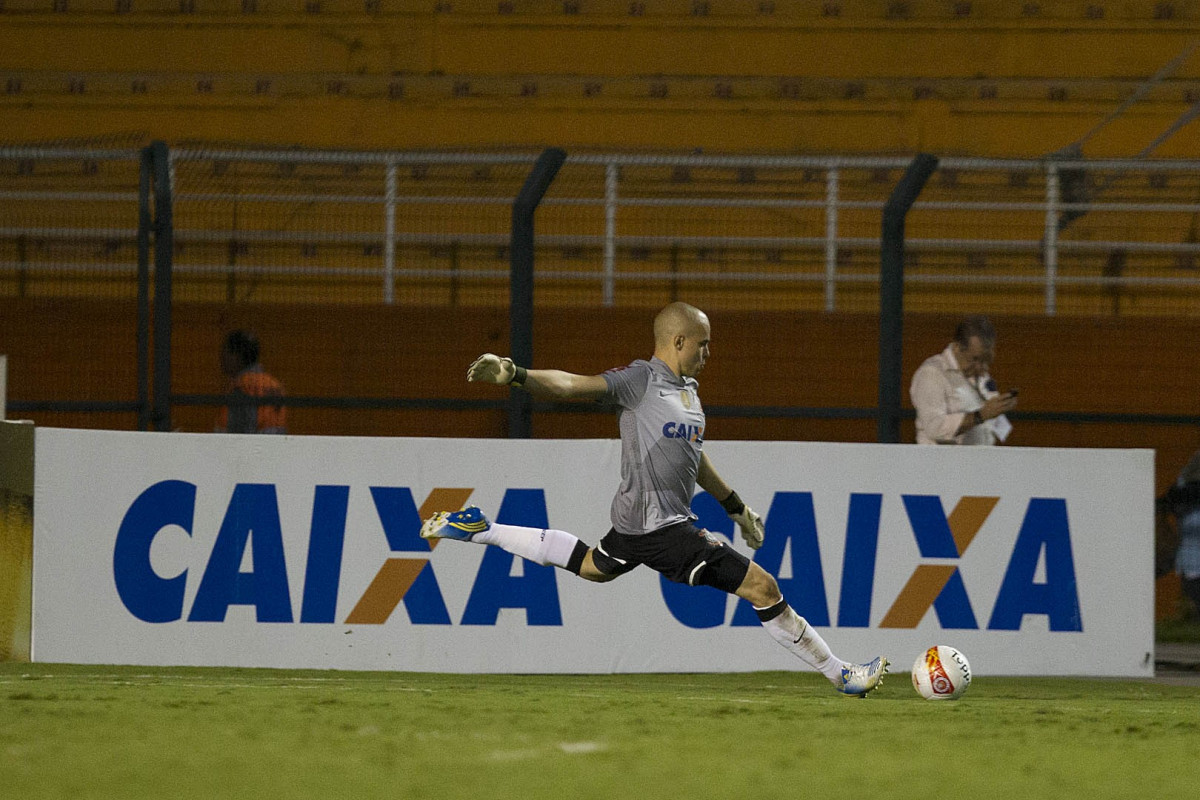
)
(1033, 237)
(343, 227)
(70, 221)
(1013, 236)
(71, 232)
(348, 229)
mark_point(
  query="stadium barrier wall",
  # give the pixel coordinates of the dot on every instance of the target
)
(16, 539)
(190, 549)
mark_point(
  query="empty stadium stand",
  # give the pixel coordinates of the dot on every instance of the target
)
(996, 79)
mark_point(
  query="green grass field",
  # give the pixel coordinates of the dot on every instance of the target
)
(138, 732)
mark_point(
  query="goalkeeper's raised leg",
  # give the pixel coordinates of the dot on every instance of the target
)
(663, 427)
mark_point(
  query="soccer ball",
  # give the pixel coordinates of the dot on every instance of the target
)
(941, 673)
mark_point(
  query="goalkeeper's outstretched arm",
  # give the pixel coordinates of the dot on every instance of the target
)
(552, 384)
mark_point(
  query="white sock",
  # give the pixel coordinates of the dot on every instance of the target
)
(539, 545)
(793, 632)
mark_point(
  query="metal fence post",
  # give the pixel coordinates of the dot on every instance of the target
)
(891, 292)
(144, 230)
(831, 232)
(520, 311)
(164, 253)
(611, 172)
(1050, 245)
(389, 234)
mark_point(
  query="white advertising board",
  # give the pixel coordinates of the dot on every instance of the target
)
(191, 549)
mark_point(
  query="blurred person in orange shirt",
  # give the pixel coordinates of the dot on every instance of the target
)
(249, 386)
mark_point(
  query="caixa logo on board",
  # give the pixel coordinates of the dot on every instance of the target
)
(252, 520)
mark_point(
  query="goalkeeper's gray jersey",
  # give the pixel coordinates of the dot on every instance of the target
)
(662, 431)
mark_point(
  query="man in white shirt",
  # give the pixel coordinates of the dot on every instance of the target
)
(955, 397)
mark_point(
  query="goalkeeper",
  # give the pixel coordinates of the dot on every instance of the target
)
(662, 435)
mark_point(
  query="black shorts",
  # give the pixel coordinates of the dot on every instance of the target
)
(682, 552)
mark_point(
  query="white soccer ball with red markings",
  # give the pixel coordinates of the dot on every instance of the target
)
(941, 673)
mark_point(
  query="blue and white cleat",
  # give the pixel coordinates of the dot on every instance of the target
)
(859, 680)
(461, 525)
